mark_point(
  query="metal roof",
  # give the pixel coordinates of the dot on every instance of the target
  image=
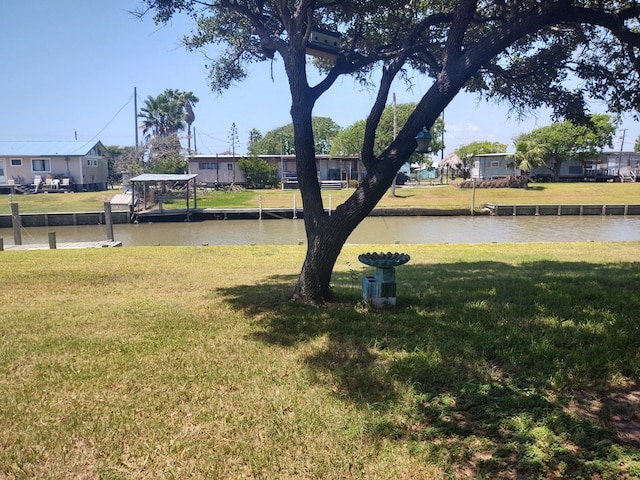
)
(46, 148)
(164, 177)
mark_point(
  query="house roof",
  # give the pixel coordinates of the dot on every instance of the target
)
(47, 149)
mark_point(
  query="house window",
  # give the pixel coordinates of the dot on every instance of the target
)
(92, 162)
(16, 162)
(209, 166)
(229, 166)
(494, 164)
(40, 165)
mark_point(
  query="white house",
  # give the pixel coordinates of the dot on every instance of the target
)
(79, 166)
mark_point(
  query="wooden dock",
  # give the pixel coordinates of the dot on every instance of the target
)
(65, 245)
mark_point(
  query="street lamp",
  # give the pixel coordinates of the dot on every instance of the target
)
(423, 139)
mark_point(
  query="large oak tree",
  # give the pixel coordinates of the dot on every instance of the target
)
(530, 53)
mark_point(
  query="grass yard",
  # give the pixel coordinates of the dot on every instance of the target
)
(505, 361)
(443, 197)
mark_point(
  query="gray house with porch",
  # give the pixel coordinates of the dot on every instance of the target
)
(34, 166)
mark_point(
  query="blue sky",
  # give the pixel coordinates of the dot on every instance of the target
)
(70, 68)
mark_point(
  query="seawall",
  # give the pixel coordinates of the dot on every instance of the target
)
(66, 219)
(54, 219)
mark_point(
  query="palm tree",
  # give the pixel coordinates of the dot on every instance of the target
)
(152, 117)
(167, 113)
(189, 100)
(162, 118)
(528, 155)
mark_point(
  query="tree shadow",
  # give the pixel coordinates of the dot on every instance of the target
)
(493, 355)
(403, 194)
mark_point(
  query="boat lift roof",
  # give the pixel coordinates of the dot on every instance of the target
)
(150, 178)
(164, 177)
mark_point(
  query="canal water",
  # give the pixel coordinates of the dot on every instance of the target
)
(379, 230)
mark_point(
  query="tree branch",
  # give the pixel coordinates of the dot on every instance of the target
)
(462, 16)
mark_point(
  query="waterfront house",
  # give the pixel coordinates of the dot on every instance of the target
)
(602, 167)
(605, 166)
(623, 165)
(64, 166)
(491, 166)
(223, 169)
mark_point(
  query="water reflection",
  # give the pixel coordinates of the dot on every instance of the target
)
(385, 230)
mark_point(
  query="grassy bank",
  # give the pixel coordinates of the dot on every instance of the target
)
(500, 361)
(444, 197)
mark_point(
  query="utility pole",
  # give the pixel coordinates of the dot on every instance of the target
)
(624, 131)
(442, 139)
(135, 112)
(233, 137)
(395, 134)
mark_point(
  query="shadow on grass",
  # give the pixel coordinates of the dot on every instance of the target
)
(403, 195)
(479, 365)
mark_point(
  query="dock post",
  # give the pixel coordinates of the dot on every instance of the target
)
(108, 220)
(1, 244)
(16, 221)
(295, 214)
(473, 198)
(52, 241)
(259, 207)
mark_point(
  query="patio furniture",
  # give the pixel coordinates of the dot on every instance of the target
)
(37, 181)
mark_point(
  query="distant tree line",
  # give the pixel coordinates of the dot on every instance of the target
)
(172, 111)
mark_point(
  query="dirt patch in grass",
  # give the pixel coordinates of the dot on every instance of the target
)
(618, 409)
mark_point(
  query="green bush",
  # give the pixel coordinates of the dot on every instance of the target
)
(259, 173)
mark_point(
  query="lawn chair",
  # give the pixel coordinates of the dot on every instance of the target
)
(55, 184)
(37, 181)
(66, 183)
(47, 183)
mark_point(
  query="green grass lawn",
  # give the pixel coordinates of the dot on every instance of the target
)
(442, 197)
(499, 362)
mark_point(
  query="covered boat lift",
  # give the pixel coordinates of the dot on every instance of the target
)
(156, 188)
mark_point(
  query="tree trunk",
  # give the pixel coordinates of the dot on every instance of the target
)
(327, 234)
(315, 277)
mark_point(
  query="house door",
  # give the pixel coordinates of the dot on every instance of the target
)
(3, 171)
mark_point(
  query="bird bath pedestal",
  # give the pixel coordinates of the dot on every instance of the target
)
(380, 290)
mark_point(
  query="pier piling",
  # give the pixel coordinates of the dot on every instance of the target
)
(16, 221)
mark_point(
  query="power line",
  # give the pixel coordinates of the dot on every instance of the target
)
(200, 132)
(112, 119)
